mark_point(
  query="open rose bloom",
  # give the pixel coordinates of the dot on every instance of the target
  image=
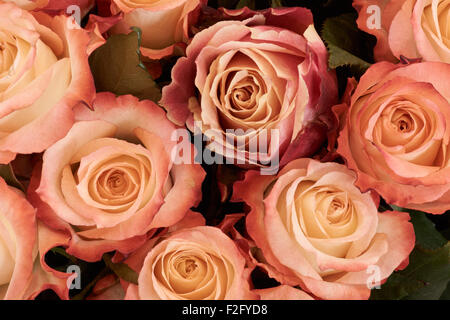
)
(396, 134)
(44, 73)
(165, 23)
(198, 263)
(315, 229)
(410, 28)
(111, 180)
(260, 81)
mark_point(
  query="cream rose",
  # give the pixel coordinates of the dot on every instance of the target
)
(313, 228)
(18, 247)
(29, 4)
(24, 241)
(55, 6)
(396, 134)
(411, 28)
(199, 263)
(44, 73)
(111, 180)
(164, 23)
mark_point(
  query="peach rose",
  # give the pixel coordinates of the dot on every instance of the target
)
(282, 292)
(265, 76)
(44, 73)
(313, 228)
(198, 263)
(24, 241)
(396, 134)
(164, 23)
(410, 28)
(55, 6)
(111, 180)
(18, 247)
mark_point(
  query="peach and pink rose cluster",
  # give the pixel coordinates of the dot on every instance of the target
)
(102, 176)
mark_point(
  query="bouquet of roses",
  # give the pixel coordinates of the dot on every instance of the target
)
(224, 149)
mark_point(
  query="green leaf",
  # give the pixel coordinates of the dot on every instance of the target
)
(433, 268)
(246, 3)
(277, 3)
(122, 270)
(397, 287)
(427, 236)
(346, 44)
(117, 67)
(7, 173)
(428, 272)
(425, 278)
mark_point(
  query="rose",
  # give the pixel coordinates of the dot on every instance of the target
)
(18, 248)
(164, 23)
(282, 292)
(265, 76)
(412, 28)
(198, 263)
(396, 134)
(111, 180)
(24, 241)
(44, 73)
(29, 4)
(313, 228)
(55, 6)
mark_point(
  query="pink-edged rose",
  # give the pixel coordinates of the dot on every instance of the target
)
(410, 28)
(44, 74)
(261, 80)
(55, 6)
(282, 292)
(396, 134)
(165, 24)
(313, 228)
(18, 245)
(111, 180)
(190, 263)
(24, 241)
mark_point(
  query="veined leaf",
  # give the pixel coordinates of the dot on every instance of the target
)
(117, 67)
(345, 43)
(427, 236)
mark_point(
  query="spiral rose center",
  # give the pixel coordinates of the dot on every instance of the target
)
(242, 91)
(321, 212)
(404, 124)
(115, 178)
(334, 206)
(336, 210)
(186, 267)
(242, 95)
(402, 117)
(246, 90)
(115, 182)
